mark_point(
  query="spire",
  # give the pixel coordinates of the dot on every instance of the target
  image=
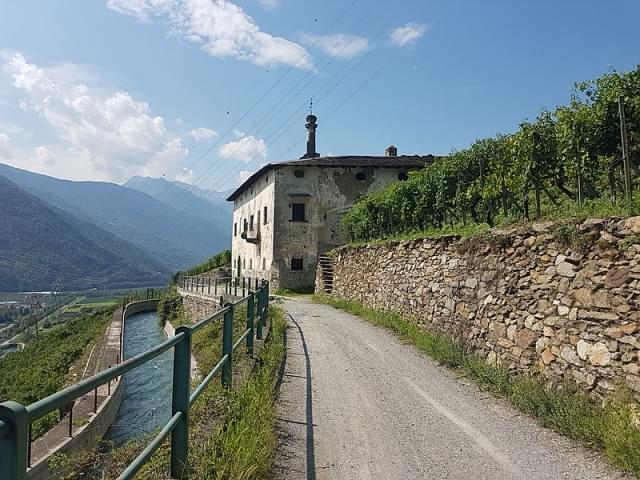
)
(311, 126)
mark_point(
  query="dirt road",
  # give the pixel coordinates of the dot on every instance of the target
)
(355, 403)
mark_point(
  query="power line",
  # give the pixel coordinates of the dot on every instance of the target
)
(254, 105)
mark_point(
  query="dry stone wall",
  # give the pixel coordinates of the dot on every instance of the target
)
(199, 306)
(559, 300)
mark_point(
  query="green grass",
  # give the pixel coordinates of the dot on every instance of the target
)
(612, 427)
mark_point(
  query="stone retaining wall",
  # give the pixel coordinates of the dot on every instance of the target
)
(560, 300)
(198, 306)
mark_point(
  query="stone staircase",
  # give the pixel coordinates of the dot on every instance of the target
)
(326, 267)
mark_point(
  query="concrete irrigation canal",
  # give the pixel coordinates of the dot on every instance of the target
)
(146, 403)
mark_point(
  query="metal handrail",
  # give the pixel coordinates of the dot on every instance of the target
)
(16, 419)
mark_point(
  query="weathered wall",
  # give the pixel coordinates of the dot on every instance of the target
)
(327, 192)
(559, 301)
(253, 260)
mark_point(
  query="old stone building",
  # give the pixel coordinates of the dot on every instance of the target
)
(288, 214)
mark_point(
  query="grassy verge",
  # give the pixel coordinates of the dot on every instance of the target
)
(613, 427)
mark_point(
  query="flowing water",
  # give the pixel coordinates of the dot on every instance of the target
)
(146, 404)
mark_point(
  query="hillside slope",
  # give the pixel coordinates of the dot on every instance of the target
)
(176, 238)
(200, 203)
(40, 245)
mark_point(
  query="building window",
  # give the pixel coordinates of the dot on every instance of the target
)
(402, 176)
(297, 212)
(361, 176)
(250, 264)
(235, 229)
(244, 263)
(296, 264)
(264, 215)
(299, 173)
(246, 224)
(264, 263)
(251, 223)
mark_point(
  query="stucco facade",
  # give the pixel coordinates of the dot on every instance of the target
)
(304, 201)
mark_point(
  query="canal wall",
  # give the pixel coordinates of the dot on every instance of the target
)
(87, 436)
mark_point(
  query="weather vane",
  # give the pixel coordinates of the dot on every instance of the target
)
(311, 106)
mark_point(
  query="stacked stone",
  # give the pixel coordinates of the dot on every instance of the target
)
(521, 297)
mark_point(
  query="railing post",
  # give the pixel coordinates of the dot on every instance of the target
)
(180, 402)
(235, 292)
(14, 435)
(227, 346)
(259, 322)
(250, 322)
(244, 286)
(265, 304)
(209, 286)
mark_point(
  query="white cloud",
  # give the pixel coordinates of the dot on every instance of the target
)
(105, 132)
(4, 146)
(407, 34)
(339, 45)
(45, 156)
(186, 175)
(244, 175)
(270, 4)
(202, 134)
(143, 10)
(222, 29)
(245, 150)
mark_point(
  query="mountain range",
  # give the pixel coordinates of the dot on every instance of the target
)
(175, 224)
(42, 247)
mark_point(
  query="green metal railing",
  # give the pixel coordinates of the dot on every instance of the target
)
(16, 419)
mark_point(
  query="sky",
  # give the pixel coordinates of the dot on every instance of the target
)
(207, 91)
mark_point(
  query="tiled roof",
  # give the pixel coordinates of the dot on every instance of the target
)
(414, 161)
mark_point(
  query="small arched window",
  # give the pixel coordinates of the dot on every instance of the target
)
(299, 173)
(402, 176)
(361, 176)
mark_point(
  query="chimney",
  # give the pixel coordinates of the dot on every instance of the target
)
(311, 137)
(391, 151)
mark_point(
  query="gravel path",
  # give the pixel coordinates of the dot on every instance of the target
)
(355, 403)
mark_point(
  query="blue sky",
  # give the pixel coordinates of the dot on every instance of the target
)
(207, 91)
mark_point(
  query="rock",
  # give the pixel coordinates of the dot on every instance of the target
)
(511, 332)
(541, 344)
(632, 368)
(616, 277)
(607, 237)
(599, 355)
(632, 224)
(529, 321)
(566, 269)
(569, 355)
(491, 358)
(471, 283)
(583, 348)
(629, 329)
(630, 340)
(547, 357)
(525, 337)
(599, 316)
(560, 259)
(563, 310)
(591, 224)
(614, 332)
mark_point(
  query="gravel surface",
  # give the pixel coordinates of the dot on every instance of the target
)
(356, 403)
